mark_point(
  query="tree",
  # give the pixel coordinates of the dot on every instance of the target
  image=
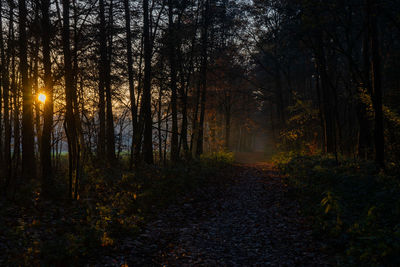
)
(5, 80)
(130, 79)
(28, 151)
(372, 17)
(146, 99)
(110, 138)
(45, 153)
(70, 94)
(102, 80)
(173, 69)
(203, 73)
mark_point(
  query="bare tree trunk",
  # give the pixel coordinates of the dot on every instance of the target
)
(5, 79)
(110, 136)
(193, 137)
(101, 151)
(172, 65)
(70, 122)
(47, 169)
(165, 139)
(101, 146)
(327, 98)
(15, 107)
(148, 122)
(376, 75)
(34, 77)
(184, 88)
(184, 126)
(28, 150)
(203, 72)
(80, 140)
(195, 133)
(2, 77)
(159, 119)
(131, 78)
(227, 124)
(321, 110)
(140, 125)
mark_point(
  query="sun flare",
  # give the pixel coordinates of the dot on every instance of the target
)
(42, 97)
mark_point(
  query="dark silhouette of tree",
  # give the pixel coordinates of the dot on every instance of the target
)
(173, 69)
(372, 10)
(146, 107)
(6, 155)
(70, 94)
(45, 153)
(28, 151)
(131, 85)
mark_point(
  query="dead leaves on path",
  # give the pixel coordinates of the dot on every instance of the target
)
(247, 220)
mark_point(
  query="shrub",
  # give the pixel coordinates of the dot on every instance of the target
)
(217, 159)
(112, 204)
(353, 205)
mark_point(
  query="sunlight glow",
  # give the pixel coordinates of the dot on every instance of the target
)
(42, 97)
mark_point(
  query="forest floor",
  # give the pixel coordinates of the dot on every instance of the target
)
(247, 218)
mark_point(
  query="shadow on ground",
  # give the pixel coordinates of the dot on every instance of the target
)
(251, 157)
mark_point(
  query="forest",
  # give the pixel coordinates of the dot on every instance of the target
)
(199, 133)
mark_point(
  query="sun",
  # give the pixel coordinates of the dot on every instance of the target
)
(42, 97)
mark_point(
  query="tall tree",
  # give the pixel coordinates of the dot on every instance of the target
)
(45, 153)
(102, 80)
(130, 78)
(146, 98)
(5, 80)
(15, 105)
(376, 78)
(28, 151)
(110, 136)
(203, 73)
(70, 94)
(172, 44)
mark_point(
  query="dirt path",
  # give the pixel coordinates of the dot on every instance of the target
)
(247, 222)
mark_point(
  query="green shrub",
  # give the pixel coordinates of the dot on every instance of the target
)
(217, 159)
(353, 205)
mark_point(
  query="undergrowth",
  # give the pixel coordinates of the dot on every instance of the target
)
(112, 205)
(353, 205)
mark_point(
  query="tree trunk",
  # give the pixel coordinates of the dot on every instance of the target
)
(195, 133)
(5, 79)
(70, 123)
(34, 78)
(327, 98)
(28, 150)
(227, 125)
(101, 149)
(203, 71)
(107, 145)
(140, 125)
(131, 78)
(376, 78)
(320, 110)
(47, 170)
(110, 137)
(159, 120)
(148, 122)
(172, 62)
(15, 106)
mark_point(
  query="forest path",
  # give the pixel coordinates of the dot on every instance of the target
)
(247, 221)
